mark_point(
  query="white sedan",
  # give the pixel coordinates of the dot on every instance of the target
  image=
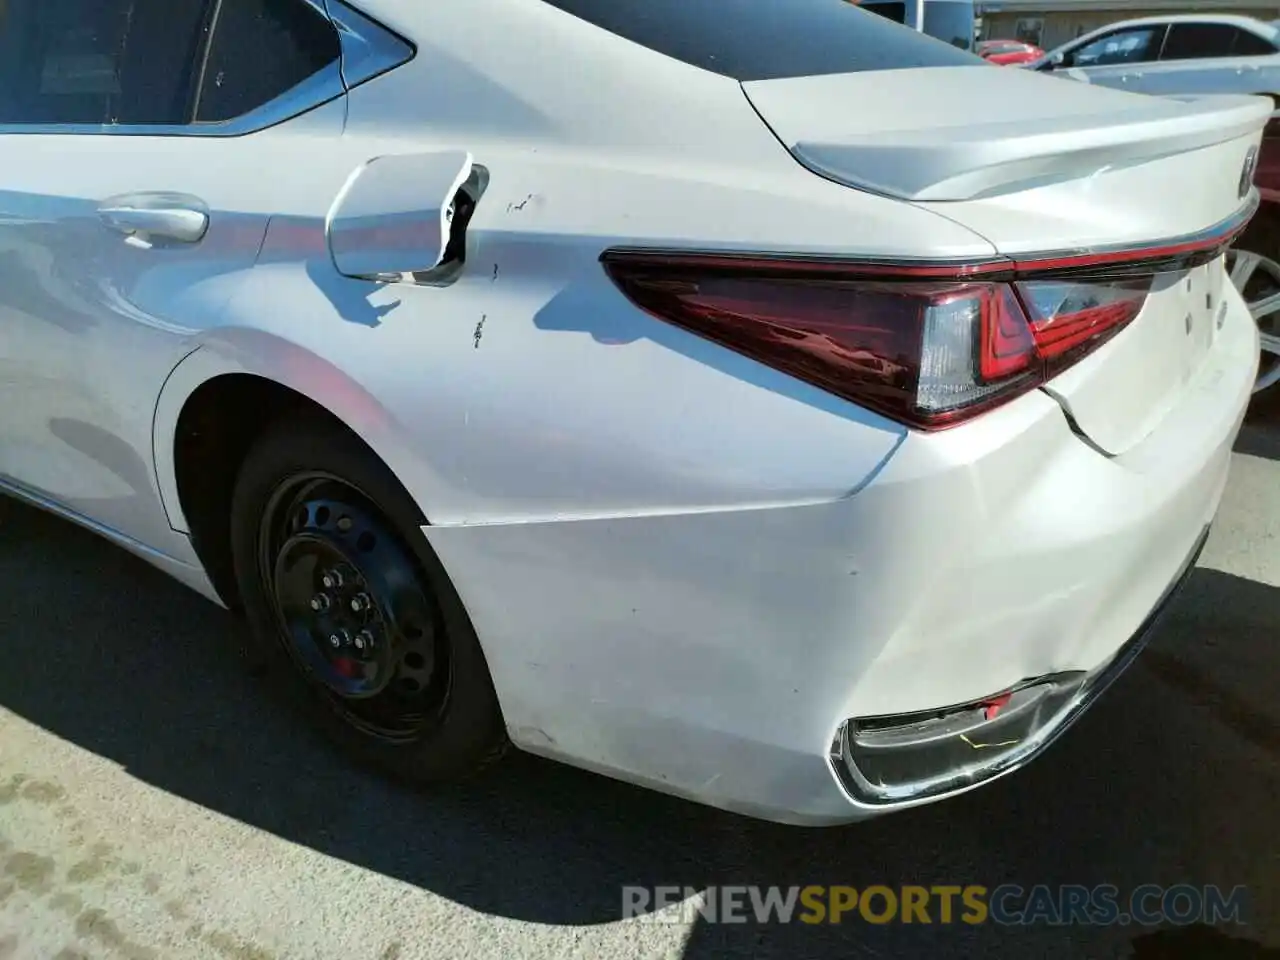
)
(1178, 54)
(761, 402)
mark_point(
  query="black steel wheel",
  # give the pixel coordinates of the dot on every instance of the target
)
(352, 610)
(354, 615)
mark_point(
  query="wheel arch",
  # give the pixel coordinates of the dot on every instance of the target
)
(255, 378)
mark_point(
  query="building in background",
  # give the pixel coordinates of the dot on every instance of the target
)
(1050, 23)
(949, 20)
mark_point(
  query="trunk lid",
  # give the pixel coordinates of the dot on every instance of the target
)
(1038, 165)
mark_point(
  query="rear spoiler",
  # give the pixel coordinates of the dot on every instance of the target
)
(967, 133)
(1001, 156)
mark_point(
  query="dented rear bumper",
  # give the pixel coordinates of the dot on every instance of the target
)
(887, 760)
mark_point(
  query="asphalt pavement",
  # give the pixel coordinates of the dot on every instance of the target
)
(155, 803)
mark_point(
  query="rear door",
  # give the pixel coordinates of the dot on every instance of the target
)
(1204, 58)
(144, 146)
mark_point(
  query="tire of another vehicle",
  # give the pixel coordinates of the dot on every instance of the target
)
(466, 732)
(1252, 267)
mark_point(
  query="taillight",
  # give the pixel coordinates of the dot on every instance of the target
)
(926, 352)
(1071, 318)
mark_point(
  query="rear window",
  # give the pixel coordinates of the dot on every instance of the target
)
(768, 39)
(1195, 41)
(1251, 45)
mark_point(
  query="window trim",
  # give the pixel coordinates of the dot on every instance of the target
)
(374, 49)
(368, 48)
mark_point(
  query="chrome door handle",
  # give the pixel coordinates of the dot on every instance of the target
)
(168, 216)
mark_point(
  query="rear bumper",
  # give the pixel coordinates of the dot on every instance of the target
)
(717, 655)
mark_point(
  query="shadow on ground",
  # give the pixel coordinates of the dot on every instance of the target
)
(1171, 779)
(1259, 437)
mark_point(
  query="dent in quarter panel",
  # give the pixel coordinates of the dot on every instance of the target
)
(571, 404)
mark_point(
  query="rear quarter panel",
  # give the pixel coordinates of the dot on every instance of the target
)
(530, 389)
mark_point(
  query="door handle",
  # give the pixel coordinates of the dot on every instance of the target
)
(163, 215)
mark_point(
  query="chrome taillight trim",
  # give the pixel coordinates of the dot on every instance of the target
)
(1110, 260)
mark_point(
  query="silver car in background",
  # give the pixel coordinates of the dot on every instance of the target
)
(1175, 54)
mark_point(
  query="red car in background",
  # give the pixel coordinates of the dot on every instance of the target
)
(1007, 53)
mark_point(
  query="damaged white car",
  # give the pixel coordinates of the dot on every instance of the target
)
(758, 401)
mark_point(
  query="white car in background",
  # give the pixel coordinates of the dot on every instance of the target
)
(1184, 54)
(1192, 55)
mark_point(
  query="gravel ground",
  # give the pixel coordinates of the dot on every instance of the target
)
(154, 804)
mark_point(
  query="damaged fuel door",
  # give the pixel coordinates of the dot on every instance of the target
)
(402, 217)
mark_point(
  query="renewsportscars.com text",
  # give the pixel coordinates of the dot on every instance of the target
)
(1007, 904)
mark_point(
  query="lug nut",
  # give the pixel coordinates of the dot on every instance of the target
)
(364, 640)
(360, 603)
(320, 602)
(339, 639)
(332, 579)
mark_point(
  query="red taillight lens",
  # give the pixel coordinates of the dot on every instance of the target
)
(1070, 318)
(929, 353)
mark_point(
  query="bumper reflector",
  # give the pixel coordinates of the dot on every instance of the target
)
(953, 748)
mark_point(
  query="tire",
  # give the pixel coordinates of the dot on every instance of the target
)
(1252, 265)
(284, 546)
(1263, 233)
